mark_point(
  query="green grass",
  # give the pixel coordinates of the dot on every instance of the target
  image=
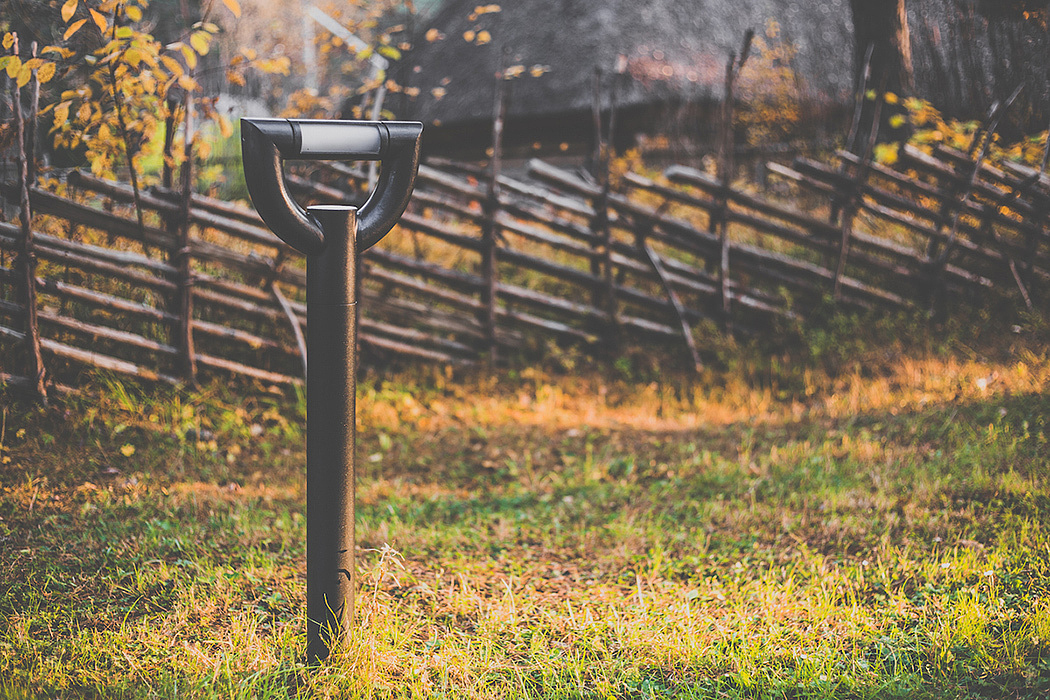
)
(880, 533)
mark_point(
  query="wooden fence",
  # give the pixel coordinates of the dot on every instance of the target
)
(573, 262)
(483, 264)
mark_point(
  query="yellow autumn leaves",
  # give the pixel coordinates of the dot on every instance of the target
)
(482, 10)
(478, 35)
(123, 76)
(518, 71)
(22, 71)
(97, 16)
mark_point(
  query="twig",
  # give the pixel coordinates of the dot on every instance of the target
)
(297, 330)
(118, 102)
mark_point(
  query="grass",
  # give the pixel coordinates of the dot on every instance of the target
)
(879, 532)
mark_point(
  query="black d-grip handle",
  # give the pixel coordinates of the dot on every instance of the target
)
(267, 143)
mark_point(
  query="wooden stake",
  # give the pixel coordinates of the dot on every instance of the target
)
(598, 225)
(34, 114)
(601, 265)
(725, 166)
(26, 255)
(596, 117)
(167, 175)
(687, 331)
(183, 259)
(855, 193)
(490, 227)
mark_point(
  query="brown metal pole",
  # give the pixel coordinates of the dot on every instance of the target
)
(331, 385)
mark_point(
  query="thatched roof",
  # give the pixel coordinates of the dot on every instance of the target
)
(668, 50)
(672, 54)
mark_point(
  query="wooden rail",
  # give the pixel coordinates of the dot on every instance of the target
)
(489, 268)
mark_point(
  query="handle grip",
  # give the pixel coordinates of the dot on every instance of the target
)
(267, 143)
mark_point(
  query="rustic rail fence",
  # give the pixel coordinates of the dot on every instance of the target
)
(485, 264)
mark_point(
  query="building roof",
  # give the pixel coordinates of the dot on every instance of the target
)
(664, 50)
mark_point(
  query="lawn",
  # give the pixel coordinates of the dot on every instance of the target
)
(879, 531)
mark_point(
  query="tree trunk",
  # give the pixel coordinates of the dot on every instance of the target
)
(883, 24)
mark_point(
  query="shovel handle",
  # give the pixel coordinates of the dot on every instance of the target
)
(267, 143)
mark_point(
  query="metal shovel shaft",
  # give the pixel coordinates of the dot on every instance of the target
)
(331, 384)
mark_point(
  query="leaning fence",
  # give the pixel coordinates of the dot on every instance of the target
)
(485, 264)
(554, 256)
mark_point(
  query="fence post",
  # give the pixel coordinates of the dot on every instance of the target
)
(606, 294)
(721, 213)
(856, 190)
(725, 165)
(6, 116)
(184, 341)
(26, 255)
(34, 114)
(846, 227)
(167, 175)
(490, 226)
(600, 227)
(596, 115)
